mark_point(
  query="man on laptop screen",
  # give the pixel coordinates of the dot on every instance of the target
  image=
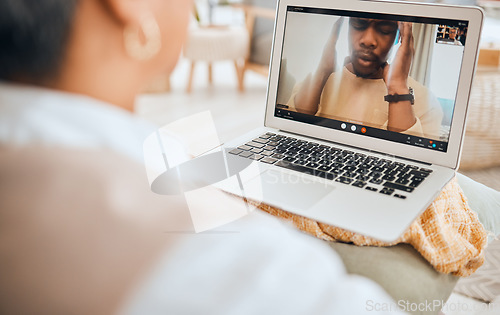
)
(364, 77)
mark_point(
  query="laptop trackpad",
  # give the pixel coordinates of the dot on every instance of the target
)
(287, 191)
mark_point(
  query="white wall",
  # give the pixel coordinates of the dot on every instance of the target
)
(445, 70)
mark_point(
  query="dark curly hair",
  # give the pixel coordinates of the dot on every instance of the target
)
(33, 38)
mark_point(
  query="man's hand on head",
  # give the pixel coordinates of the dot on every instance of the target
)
(396, 74)
(401, 114)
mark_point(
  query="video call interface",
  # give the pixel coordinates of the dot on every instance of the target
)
(338, 66)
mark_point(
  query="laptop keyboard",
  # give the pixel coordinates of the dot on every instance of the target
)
(347, 167)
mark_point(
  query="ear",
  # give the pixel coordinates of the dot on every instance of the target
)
(126, 12)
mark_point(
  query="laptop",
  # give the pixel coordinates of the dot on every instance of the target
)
(365, 112)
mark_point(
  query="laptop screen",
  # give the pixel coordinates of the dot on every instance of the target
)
(385, 76)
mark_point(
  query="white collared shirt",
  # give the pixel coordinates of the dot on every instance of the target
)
(31, 115)
(265, 268)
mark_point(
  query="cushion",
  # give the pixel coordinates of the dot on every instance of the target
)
(484, 285)
(448, 233)
(484, 201)
(405, 274)
(401, 271)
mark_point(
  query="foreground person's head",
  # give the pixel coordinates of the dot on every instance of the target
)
(108, 49)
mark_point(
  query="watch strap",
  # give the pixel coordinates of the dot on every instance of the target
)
(394, 98)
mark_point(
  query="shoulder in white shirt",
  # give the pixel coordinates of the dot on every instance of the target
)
(265, 267)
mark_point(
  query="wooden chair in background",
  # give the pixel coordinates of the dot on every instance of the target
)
(260, 63)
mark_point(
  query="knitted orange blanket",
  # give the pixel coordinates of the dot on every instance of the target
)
(448, 234)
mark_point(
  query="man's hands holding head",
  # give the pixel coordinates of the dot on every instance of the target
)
(369, 39)
(401, 115)
(396, 74)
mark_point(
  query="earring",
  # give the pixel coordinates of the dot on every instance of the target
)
(134, 47)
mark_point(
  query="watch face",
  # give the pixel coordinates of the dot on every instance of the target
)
(412, 100)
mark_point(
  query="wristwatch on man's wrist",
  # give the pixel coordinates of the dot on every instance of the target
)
(394, 98)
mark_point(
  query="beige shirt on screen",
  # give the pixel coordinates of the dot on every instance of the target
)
(361, 101)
